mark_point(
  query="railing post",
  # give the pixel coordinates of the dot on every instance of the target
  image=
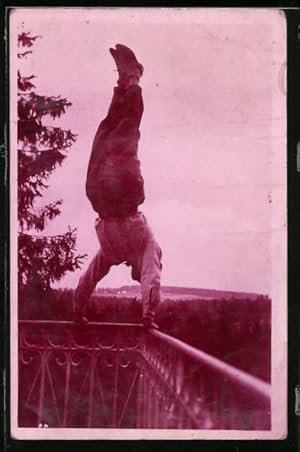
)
(67, 380)
(44, 357)
(139, 395)
(116, 381)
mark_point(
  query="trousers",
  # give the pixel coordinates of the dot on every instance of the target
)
(126, 240)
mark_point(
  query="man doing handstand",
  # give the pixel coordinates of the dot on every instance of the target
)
(115, 188)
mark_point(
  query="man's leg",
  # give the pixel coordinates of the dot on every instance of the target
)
(98, 268)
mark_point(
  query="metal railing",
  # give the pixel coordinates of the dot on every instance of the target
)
(182, 387)
(112, 375)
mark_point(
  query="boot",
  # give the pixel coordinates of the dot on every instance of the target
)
(127, 64)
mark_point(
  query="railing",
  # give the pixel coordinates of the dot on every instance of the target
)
(182, 387)
(110, 375)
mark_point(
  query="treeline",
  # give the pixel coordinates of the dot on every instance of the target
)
(237, 331)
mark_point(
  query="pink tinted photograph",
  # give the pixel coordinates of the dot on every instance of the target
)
(148, 223)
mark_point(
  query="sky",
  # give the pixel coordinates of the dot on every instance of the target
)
(212, 145)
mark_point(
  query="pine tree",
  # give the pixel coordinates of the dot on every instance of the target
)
(42, 259)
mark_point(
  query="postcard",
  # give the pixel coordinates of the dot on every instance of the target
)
(148, 218)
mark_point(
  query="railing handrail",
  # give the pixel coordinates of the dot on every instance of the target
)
(70, 322)
(236, 375)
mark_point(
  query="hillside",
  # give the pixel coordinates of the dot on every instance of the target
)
(186, 292)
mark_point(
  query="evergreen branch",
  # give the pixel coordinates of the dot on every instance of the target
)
(24, 83)
(36, 151)
(69, 232)
(24, 54)
(37, 106)
(38, 219)
(33, 134)
(36, 166)
(26, 39)
(47, 258)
